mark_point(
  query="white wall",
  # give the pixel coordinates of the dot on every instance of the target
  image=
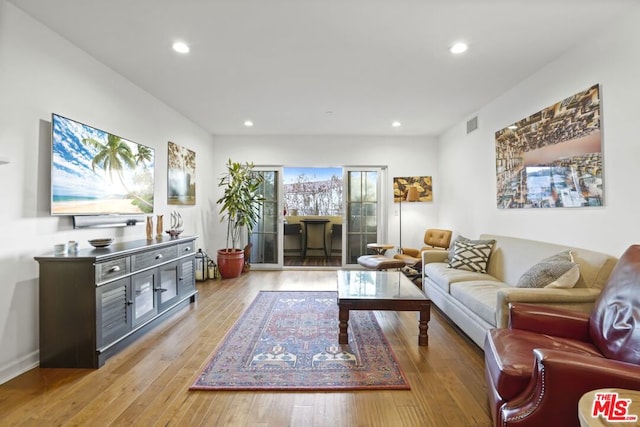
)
(404, 156)
(467, 162)
(41, 73)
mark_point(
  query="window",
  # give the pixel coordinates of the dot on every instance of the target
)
(312, 191)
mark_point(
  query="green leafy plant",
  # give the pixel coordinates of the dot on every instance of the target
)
(240, 203)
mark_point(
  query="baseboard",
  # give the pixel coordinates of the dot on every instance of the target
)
(19, 366)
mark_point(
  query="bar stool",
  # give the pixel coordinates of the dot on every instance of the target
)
(293, 230)
(336, 233)
(320, 224)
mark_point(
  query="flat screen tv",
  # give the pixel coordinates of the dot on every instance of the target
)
(94, 172)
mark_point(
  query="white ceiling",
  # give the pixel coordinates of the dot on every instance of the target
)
(326, 66)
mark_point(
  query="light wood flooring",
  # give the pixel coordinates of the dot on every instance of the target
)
(147, 383)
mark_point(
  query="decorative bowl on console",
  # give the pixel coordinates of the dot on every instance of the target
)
(101, 243)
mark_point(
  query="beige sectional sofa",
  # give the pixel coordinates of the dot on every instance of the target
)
(477, 302)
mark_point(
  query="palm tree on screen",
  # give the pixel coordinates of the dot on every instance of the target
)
(114, 156)
(144, 155)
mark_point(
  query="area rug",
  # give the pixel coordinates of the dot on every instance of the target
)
(289, 341)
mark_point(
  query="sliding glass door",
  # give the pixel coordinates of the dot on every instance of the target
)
(266, 237)
(365, 216)
(362, 217)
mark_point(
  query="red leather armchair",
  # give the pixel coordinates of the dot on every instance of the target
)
(538, 368)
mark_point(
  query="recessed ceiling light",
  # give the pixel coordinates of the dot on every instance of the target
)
(458, 48)
(396, 124)
(248, 123)
(181, 47)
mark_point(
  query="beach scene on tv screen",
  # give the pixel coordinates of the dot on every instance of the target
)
(95, 172)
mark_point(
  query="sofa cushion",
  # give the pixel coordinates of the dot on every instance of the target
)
(471, 256)
(463, 239)
(508, 356)
(558, 270)
(480, 297)
(512, 256)
(442, 276)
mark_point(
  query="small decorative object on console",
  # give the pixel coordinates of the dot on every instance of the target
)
(101, 243)
(176, 224)
(149, 227)
(159, 227)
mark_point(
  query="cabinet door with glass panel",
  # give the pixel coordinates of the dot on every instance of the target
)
(167, 291)
(144, 296)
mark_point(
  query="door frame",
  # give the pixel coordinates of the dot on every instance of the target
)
(279, 218)
(381, 206)
(381, 211)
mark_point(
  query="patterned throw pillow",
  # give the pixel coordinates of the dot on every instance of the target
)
(471, 256)
(463, 239)
(556, 271)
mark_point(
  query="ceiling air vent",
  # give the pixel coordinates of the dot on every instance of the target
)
(472, 124)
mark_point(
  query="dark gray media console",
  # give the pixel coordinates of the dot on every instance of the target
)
(95, 302)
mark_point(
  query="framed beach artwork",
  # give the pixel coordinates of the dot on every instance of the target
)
(423, 185)
(181, 179)
(553, 159)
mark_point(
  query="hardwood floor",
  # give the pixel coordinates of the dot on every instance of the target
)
(147, 383)
(312, 261)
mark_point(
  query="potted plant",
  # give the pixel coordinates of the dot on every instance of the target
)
(240, 208)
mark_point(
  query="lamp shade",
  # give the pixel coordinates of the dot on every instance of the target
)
(412, 194)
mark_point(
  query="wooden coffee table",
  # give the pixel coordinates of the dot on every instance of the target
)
(380, 290)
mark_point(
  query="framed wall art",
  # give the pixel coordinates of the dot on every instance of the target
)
(422, 184)
(181, 179)
(553, 158)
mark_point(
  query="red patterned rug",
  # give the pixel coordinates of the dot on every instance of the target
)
(289, 341)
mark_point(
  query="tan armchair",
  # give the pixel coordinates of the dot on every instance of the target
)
(434, 239)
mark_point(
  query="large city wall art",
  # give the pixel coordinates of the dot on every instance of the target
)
(553, 158)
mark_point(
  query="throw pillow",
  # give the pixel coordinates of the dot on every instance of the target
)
(567, 280)
(463, 239)
(471, 256)
(556, 271)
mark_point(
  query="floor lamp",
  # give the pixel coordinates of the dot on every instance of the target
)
(412, 196)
